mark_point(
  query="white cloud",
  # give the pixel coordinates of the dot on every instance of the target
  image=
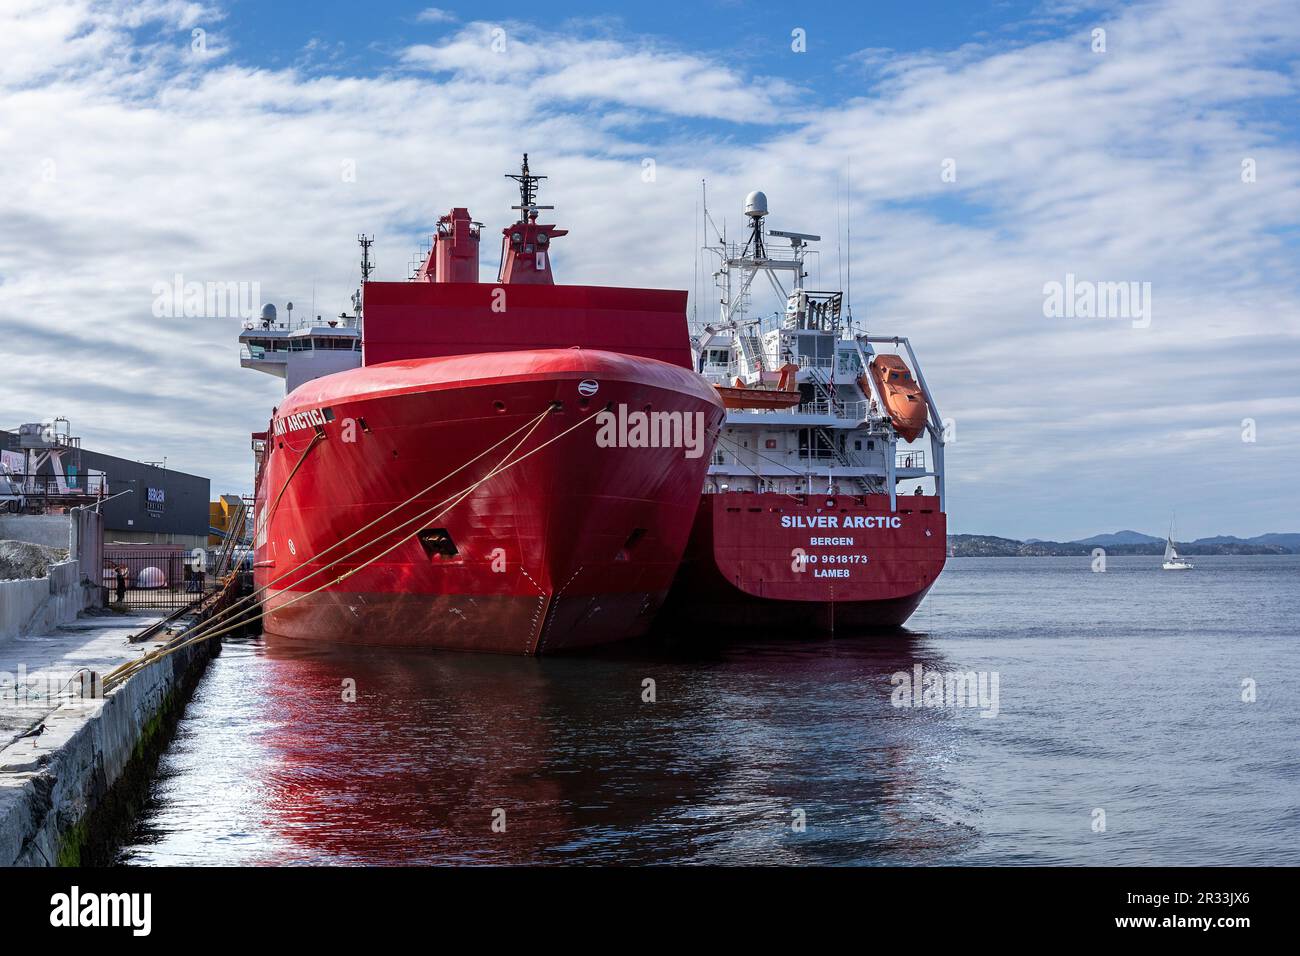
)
(128, 160)
(552, 69)
(435, 15)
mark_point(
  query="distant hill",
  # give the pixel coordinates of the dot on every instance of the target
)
(1119, 537)
(1119, 543)
(983, 546)
(1289, 541)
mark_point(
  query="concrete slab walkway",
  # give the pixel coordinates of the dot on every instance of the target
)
(34, 667)
(62, 753)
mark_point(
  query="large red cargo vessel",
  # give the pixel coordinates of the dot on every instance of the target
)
(512, 467)
(824, 504)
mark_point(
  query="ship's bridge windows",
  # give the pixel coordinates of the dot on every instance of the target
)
(329, 343)
(816, 350)
(270, 345)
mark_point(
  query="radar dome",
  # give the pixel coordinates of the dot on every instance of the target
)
(268, 312)
(756, 204)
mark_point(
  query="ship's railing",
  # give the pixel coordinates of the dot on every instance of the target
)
(721, 370)
(813, 361)
(910, 459)
(850, 411)
(305, 322)
(795, 485)
(736, 251)
(41, 494)
(45, 483)
(845, 459)
(807, 458)
(844, 411)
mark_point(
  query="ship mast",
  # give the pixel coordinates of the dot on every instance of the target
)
(754, 257)
(366, 268)
(527, 190)
(525, 246)
(366, 265)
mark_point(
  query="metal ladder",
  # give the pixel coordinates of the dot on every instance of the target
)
(821, 380)
(234, 534)
(842, 459)
(750, 348)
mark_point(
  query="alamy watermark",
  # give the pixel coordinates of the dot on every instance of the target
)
(1086, 299)
(206, 300)
(47, 687)
(930, 688)
(74, 909)
(647, 429)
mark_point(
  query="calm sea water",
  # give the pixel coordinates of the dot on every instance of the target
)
(1118, 694)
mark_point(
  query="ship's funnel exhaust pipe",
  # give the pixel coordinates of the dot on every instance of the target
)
(454, 256)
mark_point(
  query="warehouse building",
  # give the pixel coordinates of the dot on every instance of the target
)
(52, 470)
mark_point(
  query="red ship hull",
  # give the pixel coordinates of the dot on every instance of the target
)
(775, 561)
(574, 546)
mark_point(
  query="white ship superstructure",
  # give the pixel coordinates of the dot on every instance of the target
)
(306, 350)
(302, 352)
(839, 434)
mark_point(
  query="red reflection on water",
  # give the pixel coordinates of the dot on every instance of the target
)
(413, 768)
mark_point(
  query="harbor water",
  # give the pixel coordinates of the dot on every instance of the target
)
(1122, 718)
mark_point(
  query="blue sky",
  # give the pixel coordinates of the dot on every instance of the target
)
(133, 157)
(757, 34)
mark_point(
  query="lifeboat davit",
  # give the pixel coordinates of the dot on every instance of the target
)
(784, 395)
(904, 402)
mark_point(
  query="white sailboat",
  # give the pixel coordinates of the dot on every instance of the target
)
(1172, 560)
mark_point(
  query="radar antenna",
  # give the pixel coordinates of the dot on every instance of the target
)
(527, 190)
(366, 265)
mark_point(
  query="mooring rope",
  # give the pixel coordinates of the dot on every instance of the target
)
(315, 440)
(251, 597)
(125, 671)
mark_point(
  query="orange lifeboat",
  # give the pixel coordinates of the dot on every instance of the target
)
(785, 395)
(903, 400)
